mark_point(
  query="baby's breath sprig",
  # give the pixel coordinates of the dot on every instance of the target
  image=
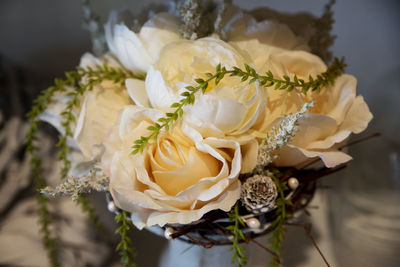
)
(277, 225)
(314, 84)
(125, 250)
(238, 250)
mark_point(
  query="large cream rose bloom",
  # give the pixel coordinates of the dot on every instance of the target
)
(177, 179)
(227, 110)
(95, 115)
(337, 111)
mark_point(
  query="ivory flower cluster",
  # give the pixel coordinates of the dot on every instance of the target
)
(194, 167)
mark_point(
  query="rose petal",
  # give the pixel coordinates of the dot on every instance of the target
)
(293, 156)
(224, 202)
(98, 113)
(137, 91)
(159, 93)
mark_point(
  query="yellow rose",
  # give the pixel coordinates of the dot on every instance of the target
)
(176, 179)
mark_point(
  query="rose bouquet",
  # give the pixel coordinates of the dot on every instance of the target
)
(208, 121)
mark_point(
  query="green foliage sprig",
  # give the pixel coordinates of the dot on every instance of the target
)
(125, 250)
(32, 149)
(188, 97)
(73, 80)
(89, 210)
(324, 79)
(277, 225)
(238, 250)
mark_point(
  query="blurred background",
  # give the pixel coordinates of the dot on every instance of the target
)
(355, 215)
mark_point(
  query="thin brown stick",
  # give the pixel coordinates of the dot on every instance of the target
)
(194, 240)
(312, 240)
(276, 257)
(315, 245)
(360, 140)
(313, 176)
(188, 228)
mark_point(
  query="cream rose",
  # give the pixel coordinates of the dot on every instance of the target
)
(337, 111)
(230, 108)
(177, 179)
(95, 116)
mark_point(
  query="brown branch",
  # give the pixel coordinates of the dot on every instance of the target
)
(212, 216)
(197, 242)
(312, 176)
(276, 257)
(360, 140)
(312, 240)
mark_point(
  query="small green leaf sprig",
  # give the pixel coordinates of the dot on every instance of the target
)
(32, 149)
(324, 79)
(238, 250)
(126, 252)
(277, 225)
(93, 76)
(89, 210)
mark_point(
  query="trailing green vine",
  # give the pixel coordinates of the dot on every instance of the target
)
(238, 250)
(124, 246)
(188, 97)
(75, 84)
(89, 210)
(277, 225)
(32, 149)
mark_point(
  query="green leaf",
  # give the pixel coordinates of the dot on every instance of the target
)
(218, 68)
(252, 80)
(199, 80)
(248, 69)
(175, 105)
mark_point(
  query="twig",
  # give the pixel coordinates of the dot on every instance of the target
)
(197, 242)
(277, 259)
(315, 175)
(360, 140)
(312, 240)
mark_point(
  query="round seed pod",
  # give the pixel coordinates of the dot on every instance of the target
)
(259, 193)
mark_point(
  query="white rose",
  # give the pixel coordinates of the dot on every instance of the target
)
(337, 111)
(176, 179)
(137, 51)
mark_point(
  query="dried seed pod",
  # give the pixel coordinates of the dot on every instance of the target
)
(259, 193)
